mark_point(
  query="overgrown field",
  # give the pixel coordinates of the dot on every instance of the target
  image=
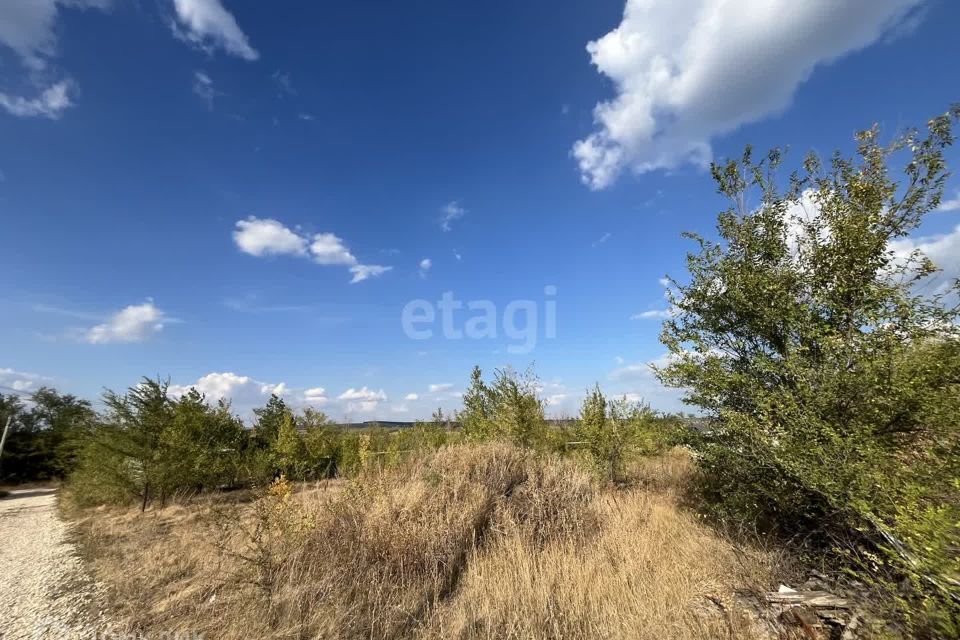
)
(473, 541)
(826, 368)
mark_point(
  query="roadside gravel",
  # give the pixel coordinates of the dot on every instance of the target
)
(44, 591)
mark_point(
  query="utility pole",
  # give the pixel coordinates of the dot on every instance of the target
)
(3, 439)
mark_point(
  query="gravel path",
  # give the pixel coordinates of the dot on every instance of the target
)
(44, 591)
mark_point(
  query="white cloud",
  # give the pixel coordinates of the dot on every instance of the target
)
(221, 386)
(363, 399)
(203, 87)
(456, 254)
(316, 396)
(425, 266)
(657, 313)
(631, 372)
(686, 71)
(451, 211)
(207, 24)
(327, 248)
(363, 393)
(950, 204)
(28, 27)
(440, 388)
(263, 237)
(362, 272)
(556, 399)
(246, 393)
(942, 249)
(20, 380)
(411, 396)
(51, 103)
(279, 389)
(638, 382)
(135, 323)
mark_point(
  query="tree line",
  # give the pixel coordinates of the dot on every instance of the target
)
(147, 446)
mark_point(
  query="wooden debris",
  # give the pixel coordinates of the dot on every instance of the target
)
(815, 599)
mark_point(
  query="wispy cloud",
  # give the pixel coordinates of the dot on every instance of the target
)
(363, 272)
(653, 313)
(657, 313)
(21, 380)
(950, 204)
(203, 88)
(284, 83)
(251, 303)
(207, 25)
(29, 27)
(452, 211)
(51, 103)
(599, 241)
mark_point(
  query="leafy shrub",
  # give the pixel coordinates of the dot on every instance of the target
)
(509, 407)
(829, 374)
(614, 431)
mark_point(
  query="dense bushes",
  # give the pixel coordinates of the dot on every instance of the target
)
(829, 373)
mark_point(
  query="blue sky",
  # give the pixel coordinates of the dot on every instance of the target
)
(242, 195)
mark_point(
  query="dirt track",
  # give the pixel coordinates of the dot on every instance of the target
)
(44, 591)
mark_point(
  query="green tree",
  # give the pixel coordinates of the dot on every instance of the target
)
(126, 454)
(288, 449)
(615, 430)
(517, 408)
(45, 435)
(15, 462)
(62, 421)
(202, 444)
(476, 418)
(269, 420)
(321, 441)
(509, 407)
(828, 373)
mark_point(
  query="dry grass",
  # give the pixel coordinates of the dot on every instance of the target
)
(472, 542)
